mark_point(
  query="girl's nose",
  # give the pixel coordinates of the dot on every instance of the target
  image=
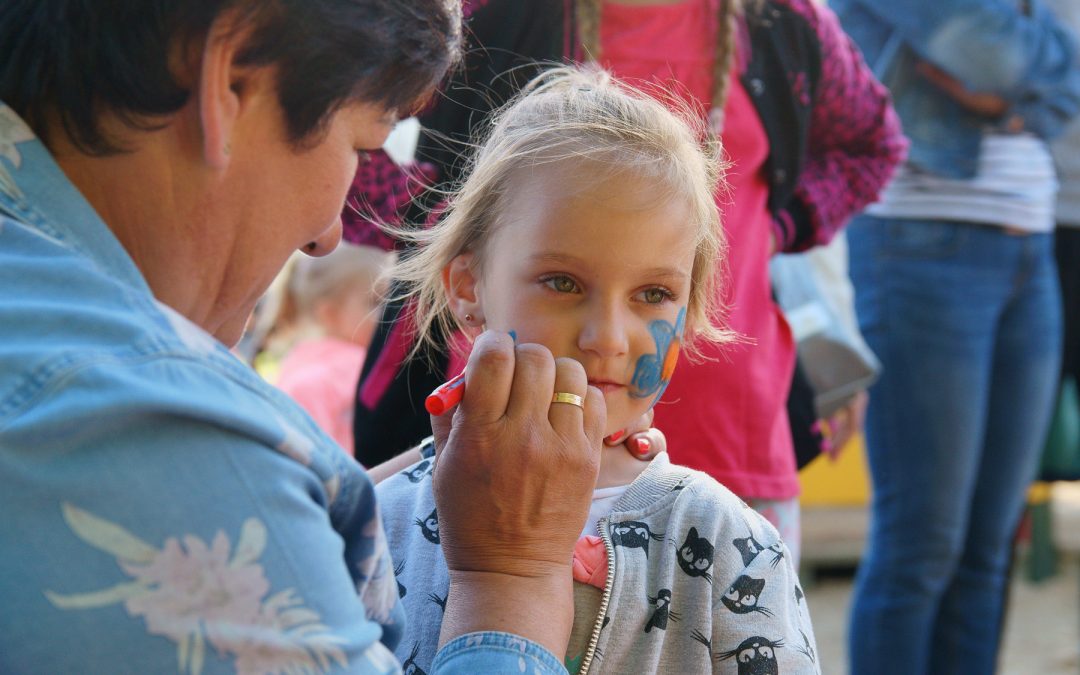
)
(605, 332)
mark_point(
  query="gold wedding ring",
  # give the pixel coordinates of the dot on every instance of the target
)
(572, 399)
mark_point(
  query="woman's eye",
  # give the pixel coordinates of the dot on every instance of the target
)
(562, 284)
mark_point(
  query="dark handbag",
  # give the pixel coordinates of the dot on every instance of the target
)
(806, 437)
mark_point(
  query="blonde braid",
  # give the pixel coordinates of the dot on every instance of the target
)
(587, 13)
(727, 29)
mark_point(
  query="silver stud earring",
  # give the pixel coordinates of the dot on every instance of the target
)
(469, 319)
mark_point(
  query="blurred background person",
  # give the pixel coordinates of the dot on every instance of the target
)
(326, 318)
(957, 294)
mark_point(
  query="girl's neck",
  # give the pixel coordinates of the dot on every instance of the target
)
(618, 467)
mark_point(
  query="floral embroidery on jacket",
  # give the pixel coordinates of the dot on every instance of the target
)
(12, 132)
(376, 583)
(193, 593)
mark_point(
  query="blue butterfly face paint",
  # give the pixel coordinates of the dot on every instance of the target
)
(653, 371)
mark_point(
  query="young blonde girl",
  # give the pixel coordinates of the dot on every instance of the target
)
(588, 224)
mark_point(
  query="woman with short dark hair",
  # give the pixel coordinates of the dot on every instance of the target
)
(164, 508)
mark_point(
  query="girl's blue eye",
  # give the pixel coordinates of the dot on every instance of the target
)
(562, 284)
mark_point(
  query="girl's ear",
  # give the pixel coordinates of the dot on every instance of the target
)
(462, 291)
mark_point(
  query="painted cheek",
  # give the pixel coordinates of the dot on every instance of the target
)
(660, 393)
(670, 360)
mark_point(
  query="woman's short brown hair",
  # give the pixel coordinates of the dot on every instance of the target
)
(72, 60)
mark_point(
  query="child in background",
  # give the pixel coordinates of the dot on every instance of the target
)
(328, 316)
(588, 224)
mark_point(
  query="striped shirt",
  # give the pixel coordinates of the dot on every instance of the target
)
(1015, 187)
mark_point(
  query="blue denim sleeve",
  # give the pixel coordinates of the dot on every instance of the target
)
(994, 46)
(492, 652)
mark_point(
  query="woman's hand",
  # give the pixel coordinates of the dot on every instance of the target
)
(641, 439)
(514, 479)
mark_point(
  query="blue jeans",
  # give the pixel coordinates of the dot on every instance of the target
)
(966, 320)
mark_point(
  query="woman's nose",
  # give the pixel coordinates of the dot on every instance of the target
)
(325, 242)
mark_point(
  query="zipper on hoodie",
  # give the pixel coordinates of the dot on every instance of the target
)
(609, 548)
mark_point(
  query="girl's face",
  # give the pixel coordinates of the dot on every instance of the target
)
(600, 275)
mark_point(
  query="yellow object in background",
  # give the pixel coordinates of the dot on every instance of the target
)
(844, 482)
(268, 365)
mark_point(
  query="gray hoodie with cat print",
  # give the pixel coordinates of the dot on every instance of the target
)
(697, 581)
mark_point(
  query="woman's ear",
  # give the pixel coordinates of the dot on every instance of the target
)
(224, 87)
(463, 292)
(218, 102)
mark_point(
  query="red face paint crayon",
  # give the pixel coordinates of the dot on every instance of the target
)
(446, 396)
(449, 394)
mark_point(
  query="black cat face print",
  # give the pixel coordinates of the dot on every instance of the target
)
(663, 613)
(695, 556)
(743, 595)
(439, 600)
(398, 569)
(755, 656)
(806, 650)
(777, 552)
(409, 667)
(748, 548)
(417, 473)
(633, 534)
(429, 527)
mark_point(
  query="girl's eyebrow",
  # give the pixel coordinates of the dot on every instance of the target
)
(666, 273)
(555, 257)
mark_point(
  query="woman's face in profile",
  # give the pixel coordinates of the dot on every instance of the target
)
(282, 198)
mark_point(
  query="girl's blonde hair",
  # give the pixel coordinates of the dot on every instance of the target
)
(578, 116)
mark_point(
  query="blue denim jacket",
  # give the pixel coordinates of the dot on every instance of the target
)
(1013, 48)
(164, 508)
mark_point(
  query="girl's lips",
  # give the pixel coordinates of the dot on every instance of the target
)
(606, 386)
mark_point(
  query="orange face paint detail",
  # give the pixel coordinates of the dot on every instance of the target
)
(670, 359)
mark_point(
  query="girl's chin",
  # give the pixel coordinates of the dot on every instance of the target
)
(622, 429)
(623, 413)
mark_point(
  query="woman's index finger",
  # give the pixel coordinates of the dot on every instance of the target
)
(489, 376)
